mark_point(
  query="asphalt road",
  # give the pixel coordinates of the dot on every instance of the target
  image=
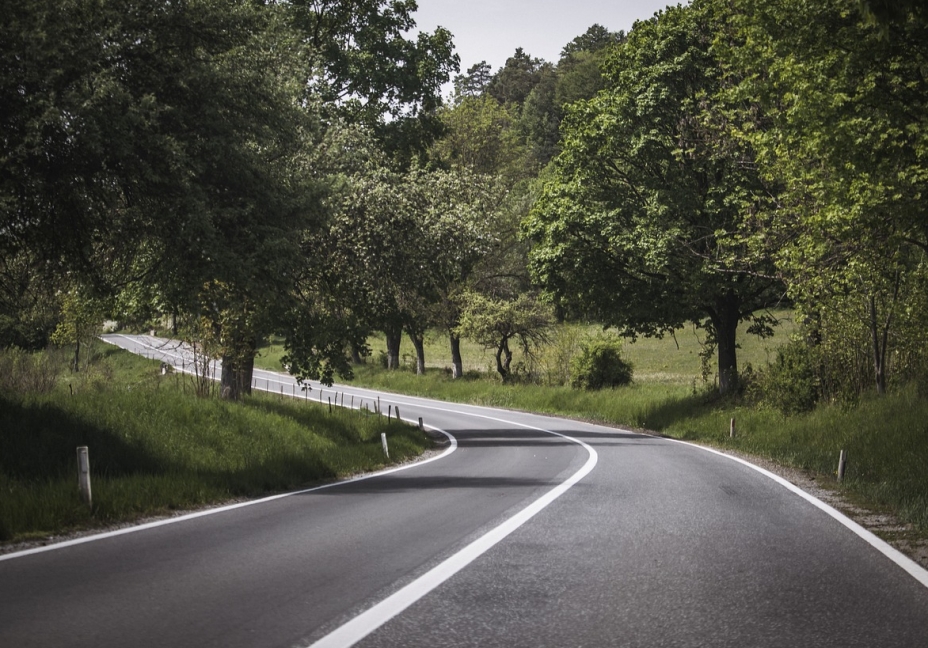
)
(527, 531)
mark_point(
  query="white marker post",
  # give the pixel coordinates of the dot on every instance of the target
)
(383, 440)
(83, 474)
(842, 464)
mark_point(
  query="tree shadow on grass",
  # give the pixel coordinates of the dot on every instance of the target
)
(659, 417)
(39, 441)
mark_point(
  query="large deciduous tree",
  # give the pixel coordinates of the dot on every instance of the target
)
(647, 190)
(842, 129)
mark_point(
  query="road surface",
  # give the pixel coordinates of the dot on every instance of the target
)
(526, 531)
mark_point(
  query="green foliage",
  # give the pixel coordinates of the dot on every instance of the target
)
(493, 323)
(839, 125)
(634, 228)
(600, 365)
(791, 383)
(367, 71)
(80, 322)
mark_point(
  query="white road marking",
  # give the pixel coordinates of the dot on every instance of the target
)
(367, 622)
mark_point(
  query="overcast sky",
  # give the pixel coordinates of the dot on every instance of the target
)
(491, 30)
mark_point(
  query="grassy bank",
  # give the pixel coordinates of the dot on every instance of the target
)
(154, 447)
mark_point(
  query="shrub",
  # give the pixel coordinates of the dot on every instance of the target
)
(600, 365)
(24, 372)
(790, 384)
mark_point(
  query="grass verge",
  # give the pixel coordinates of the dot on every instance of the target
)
(156, 448)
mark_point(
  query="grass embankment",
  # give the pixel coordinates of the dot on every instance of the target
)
(886, 438)
(155, 447)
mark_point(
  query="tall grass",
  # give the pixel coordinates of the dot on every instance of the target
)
(155, 447)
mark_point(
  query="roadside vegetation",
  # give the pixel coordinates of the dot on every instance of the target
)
(156, 448)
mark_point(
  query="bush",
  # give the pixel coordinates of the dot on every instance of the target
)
(790, 384)
(23, 372)
(600, 365)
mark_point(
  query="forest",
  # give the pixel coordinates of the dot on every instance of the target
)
(233, 170)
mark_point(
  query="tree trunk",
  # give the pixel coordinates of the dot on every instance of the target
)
(356, 355)
(237, 372)
(879, 350)
(418, 342)
(725, 320)
(394, 338)
(503, 359)
(457, 365)
(76, 367)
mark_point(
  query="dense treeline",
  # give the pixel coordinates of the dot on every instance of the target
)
(244, 169)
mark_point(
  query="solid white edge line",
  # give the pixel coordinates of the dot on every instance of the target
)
(911, 567)
(373, 618)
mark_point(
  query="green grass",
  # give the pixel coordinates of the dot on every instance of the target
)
(155, 448)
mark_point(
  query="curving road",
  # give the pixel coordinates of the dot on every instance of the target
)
(526, 531)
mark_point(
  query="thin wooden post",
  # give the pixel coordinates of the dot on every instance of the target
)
(731, 429)
(421, 427)
(842, 465)
(397, 407)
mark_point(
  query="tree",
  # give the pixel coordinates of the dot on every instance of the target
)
(155, 144)
(474, 83)
(367, 71)
(495, 323)
(81, 320)
(841, 127)
(458, 231)
(514, 81)
(632, 230)
(480, 135)
(594, 39)
(577, 76)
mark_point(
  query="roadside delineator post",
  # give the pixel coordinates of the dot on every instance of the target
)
(421, 427)
(731, 429)
(83, 474)
(383, 441)
(842, 465)
(397, 408)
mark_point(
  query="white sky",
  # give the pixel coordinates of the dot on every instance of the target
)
(491, 30)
